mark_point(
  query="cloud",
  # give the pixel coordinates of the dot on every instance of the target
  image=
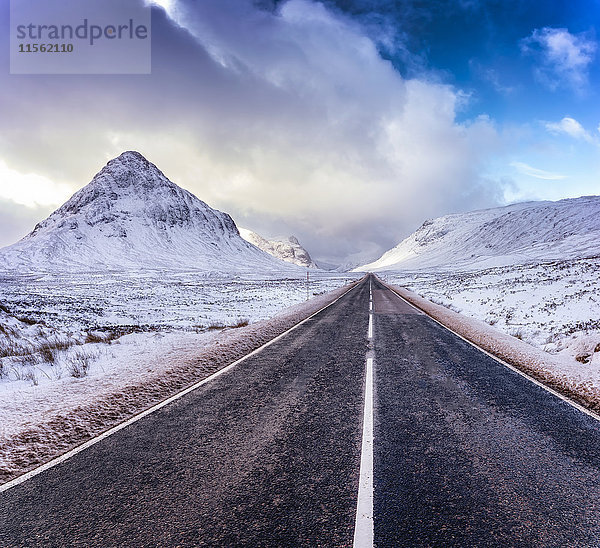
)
(564, 58)
(569, 126)
(17, 220)
(526, 169)
(289, 119)
(491, 76)
(31, 190)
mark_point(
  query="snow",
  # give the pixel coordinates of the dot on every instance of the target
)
(530, 232)
(287, 249)
(131, 216)
(45, 410)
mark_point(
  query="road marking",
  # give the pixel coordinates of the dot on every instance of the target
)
(506, 364)
(370, 332)
(363, 527)
(62, 458)
(371, 306)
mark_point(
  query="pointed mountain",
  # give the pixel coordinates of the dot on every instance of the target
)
(131, 216)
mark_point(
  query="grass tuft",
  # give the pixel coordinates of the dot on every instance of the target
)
(78, 364)
(518, 334)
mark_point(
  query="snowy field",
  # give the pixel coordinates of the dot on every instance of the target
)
(156, 299)
(553, 306)
(81, 354)
(47, 318)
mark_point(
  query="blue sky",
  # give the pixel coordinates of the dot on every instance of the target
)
(346, 123)
(532, 66)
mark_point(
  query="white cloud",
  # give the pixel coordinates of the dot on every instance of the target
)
(571, 127)
(526, 169)
(30, 189)
(564, 58)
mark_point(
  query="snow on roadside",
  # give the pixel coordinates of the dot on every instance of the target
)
(126, 376)
(554, 306)
(581, 384)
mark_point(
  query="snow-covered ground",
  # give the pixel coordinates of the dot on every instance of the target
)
(53, 317)
(150, 299)
(553, 306)
(530, 270)
(63, 380)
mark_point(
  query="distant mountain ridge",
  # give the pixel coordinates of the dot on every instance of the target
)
(130, 216)
(515, 234)
(287, 249)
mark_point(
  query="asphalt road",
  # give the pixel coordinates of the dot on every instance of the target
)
(466, 451)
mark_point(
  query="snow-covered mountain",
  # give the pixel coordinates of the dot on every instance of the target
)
(516, 234)
(287, 249)
(131, 216)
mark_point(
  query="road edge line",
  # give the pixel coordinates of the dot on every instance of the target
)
(363, 524)
(552, 391)
(93, 441)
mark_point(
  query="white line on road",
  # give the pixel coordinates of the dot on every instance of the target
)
(370, 332)
(93, 441)
(363, 527)
(371, 306)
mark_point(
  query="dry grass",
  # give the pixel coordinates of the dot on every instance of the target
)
(78, 363)
(518, 334)
(240, 322)
(95, 337)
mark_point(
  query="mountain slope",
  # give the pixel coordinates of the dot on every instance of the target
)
(131, 216)
(515, 234)
(286, 249)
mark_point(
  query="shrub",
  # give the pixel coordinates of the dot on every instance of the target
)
(26, 320)
(31, 376)
(518, 334)
(48, 353)
(78, 364)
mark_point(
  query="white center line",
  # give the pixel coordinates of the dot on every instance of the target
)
(363, 527)
(370, 332)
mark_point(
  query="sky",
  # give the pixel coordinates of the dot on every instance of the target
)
(344, 122)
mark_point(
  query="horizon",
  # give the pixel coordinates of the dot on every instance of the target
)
(324, 264)
(322, 119)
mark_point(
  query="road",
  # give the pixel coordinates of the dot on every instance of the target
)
(466, 452)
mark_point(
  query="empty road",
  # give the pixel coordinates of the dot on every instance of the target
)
(465, 451)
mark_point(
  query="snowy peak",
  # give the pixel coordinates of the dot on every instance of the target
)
(515, 234)
(131, 215)
(130, 190)
(287, 249)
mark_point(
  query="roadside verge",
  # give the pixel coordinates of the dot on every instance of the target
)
(537, 364)
(63, 426)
